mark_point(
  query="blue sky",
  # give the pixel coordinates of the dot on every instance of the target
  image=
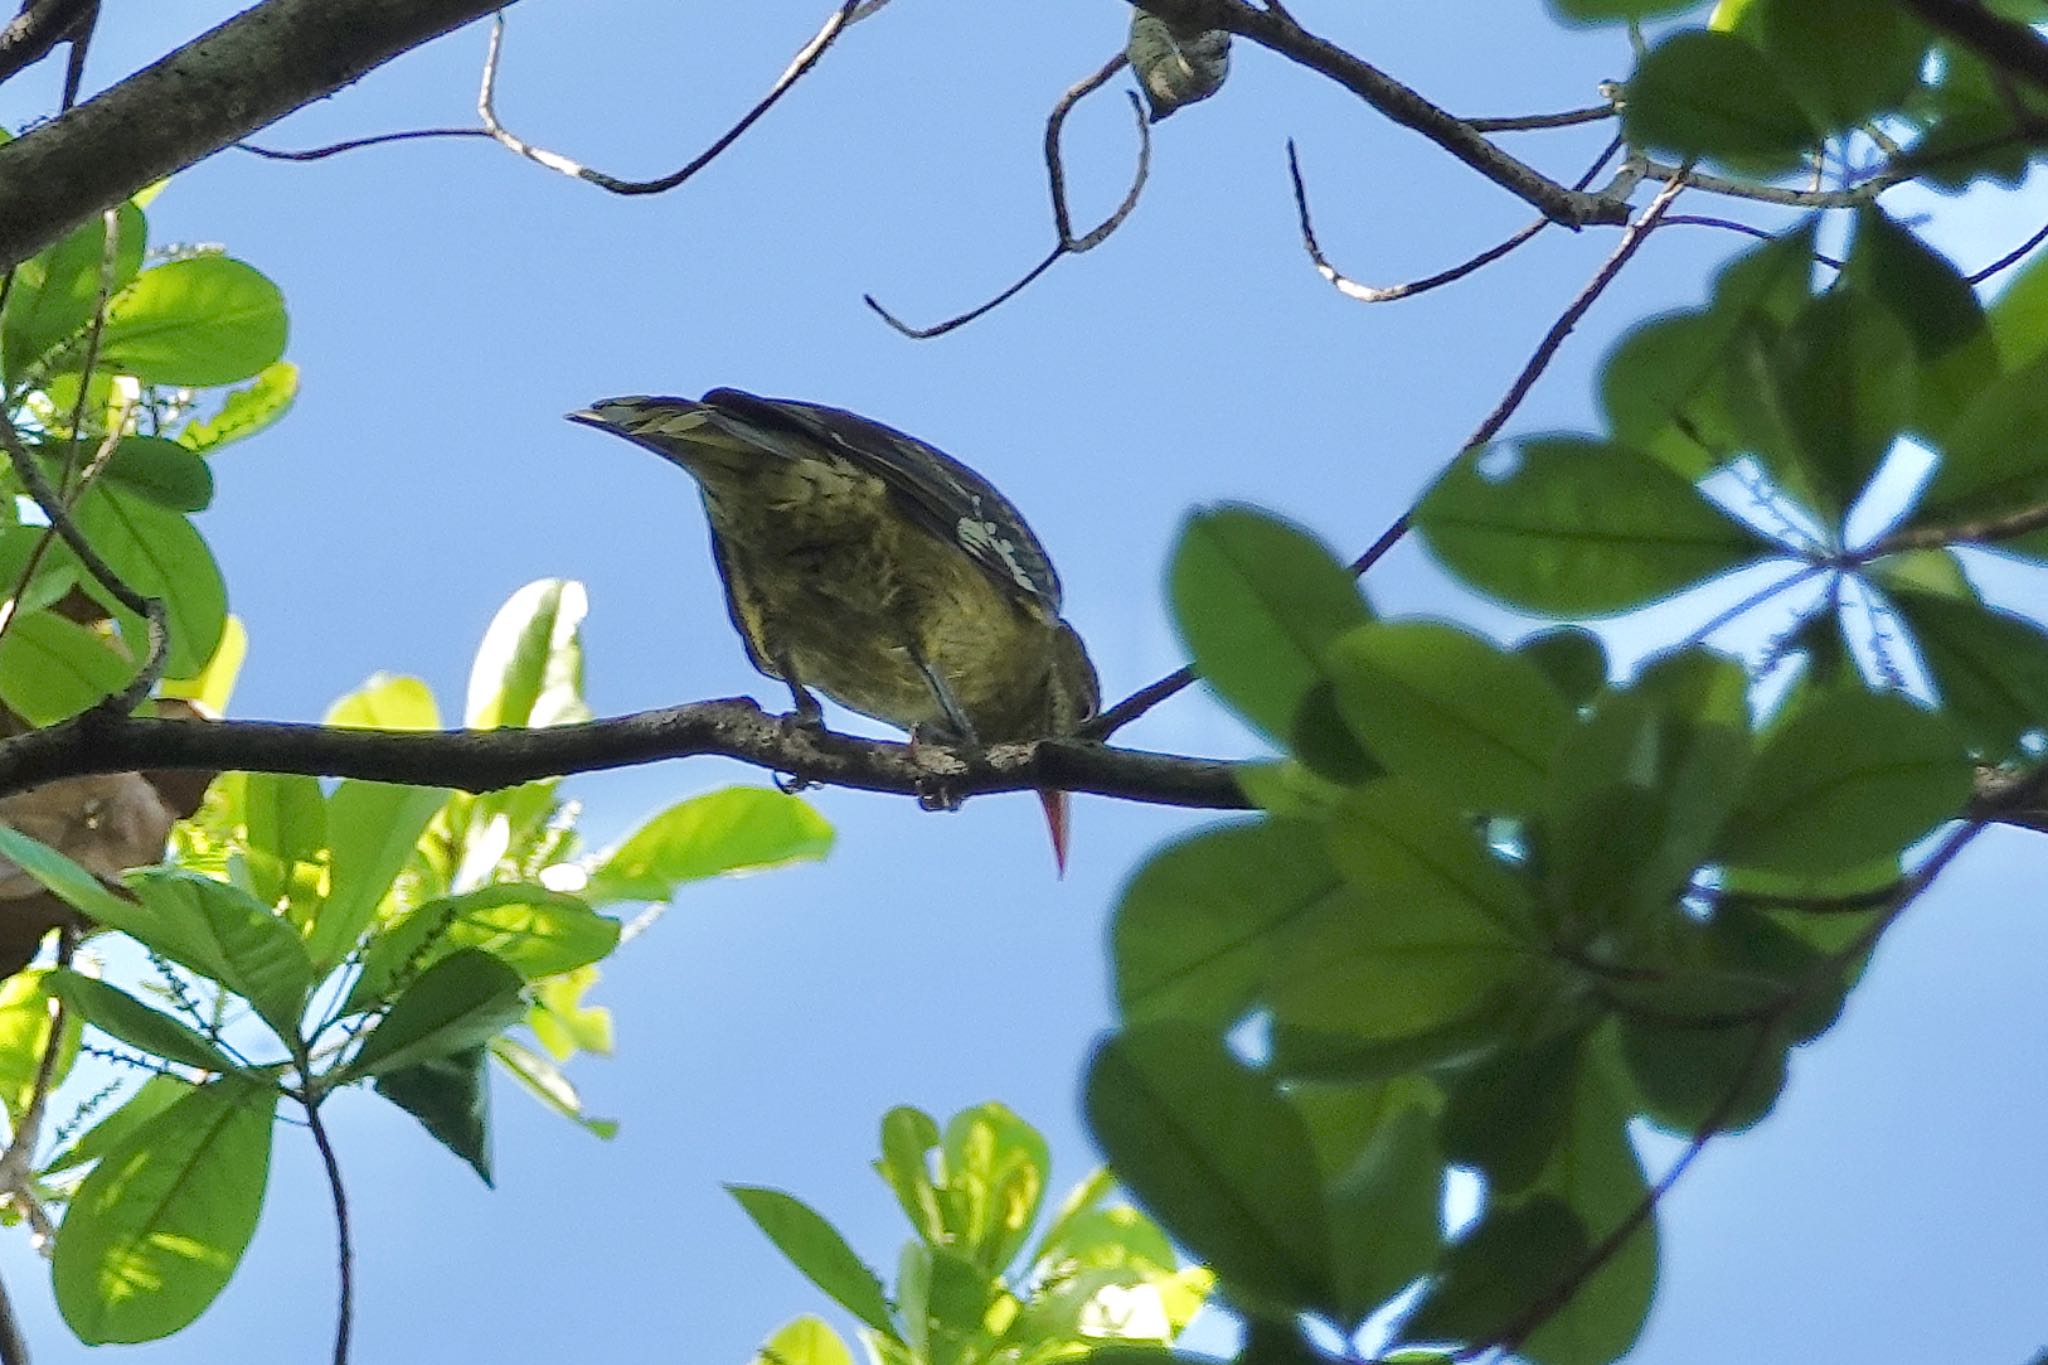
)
(451, 301)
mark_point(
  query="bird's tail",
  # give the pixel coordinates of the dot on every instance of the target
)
(701, 438)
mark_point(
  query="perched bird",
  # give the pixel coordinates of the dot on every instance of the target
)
(876, 569)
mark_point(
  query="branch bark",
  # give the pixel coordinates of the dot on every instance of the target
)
(1273, 30)
(215, 90)
(100, 741)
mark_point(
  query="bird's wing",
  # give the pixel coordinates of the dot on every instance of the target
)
(933, 489)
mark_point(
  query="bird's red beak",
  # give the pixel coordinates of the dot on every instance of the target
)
(1055, 804)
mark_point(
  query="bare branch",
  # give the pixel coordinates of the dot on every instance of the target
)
(257, 67)
(98, 741)
(1278, 33)
(1983, 531)
(1524, 123)
(1149, 696)
(805, 59)
(1864, 193)
(1066, 243)
(1366, 293)
(42, 24)
(352, 144)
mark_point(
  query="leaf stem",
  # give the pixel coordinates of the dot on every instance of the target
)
(345, 1312)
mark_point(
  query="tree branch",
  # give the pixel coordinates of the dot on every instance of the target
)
(2007, 44)
(42, 24)
(1276, 32)
(98, 741)
(215, 90)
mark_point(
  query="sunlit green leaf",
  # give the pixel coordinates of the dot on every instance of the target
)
(56, 291)
(245, 411)
(197, 321)
(542, 1079)
(160, 554)
(25, 1036)
(804, 1341)
(52, 668)
(463, 1001)
(815, 1247)
(738, 829)
(386, 702)
(153, 1234)
(156, 1094)
(534, 931)
(121, 1016)
(529, 669)
(224, 934)
(374, 829)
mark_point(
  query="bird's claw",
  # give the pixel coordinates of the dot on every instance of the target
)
(790, 785)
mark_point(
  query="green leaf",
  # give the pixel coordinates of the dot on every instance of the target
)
(153, 1234)
(1844, 60)
(1990, 667)
(562, 1022)
(450, 1098)
(284, 821)
(121, 1016)
(25, 1001)
(995, 1165)
(224, 934)
(51, 668)
(803, 1341)
(1938, 308)
(56, 291)
(1850, 778)
(534, 931)
(1568, 526)
(1825, 400)
(1451, 711)
(1514, 1256)
(160, 554)
(816, 1249)
(463, 1001)
(160, 471)
(1435, 929)
(1214, 1153)
(908, 1136)
(245, 411)
(542, 1079)
(1506, 1112)
(1572, 658)
(1703, 94)
(213, 685)
(1686, 1074)
(66, 880)
(1994, 459)
(1258, 602)
(195, 322)
(529, 669)
(1386, 1212)
(2018, 317)
(374, 828)
(155, 1095)
(738, 829)
(386, 702)
(1199, 928)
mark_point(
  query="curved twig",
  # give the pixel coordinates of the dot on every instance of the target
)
(1366, 293)
(345, 1312)
(1524, 123)
(1149, 696)
(2011, 258)
(805, 59)
(1066, 243)
(1855, 196)
(352, 144)
(1706, 220)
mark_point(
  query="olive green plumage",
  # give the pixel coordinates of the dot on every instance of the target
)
(872, 567)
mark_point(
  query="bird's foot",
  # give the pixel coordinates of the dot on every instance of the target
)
(934, 792)
(790, 785)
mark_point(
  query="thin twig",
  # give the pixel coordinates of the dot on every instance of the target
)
(2013, 257)
(1729, 615)
(1366, 293)
(1746, 229)
(1984, 531)
(352, 144)
(110, 249)
(1149, 696)
(1065, 242)
(804, 60)
(345, 1313)
(1864, 193)
(1523, 123)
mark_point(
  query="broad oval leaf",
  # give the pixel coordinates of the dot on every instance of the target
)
(226, 935)
(375, 827)
(530, 929)
(1990, 667)
(1700, 93)
(161, 471)
(739, 829)
(51, 668)
(160, 554)
(804, 1341)
(1258, 602)
(153, 1235)
(56, 291)
(451, 1099)
(121, 1016)
(1217, 1156)
(463, 1001)
(815, 1247)
(529, 669)
(195, 322)
(1852, 777)
(1451, 712)
(1569, 526)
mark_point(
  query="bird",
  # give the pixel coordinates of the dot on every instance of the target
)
(865, 564)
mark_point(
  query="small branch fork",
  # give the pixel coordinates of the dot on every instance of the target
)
(1065, 243)
(1149, 696)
